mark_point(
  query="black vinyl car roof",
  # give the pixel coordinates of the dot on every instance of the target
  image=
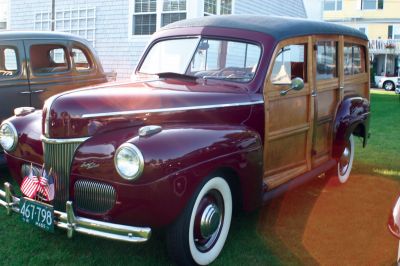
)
(278, 27)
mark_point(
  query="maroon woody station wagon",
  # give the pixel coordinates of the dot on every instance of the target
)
(227, 112)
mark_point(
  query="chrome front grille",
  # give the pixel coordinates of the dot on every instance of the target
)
(58, 155)
(93, 196)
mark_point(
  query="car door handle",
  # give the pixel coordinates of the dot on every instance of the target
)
(38, 91)
(29, 92)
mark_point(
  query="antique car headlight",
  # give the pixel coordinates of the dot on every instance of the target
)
(8, 136)
(129, 161)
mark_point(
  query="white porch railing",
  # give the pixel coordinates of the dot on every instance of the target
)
(384, 46)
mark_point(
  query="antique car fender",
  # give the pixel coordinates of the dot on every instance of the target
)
(176, 161)
(352, 117)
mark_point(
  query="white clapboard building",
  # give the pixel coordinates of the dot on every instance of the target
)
(120, 29)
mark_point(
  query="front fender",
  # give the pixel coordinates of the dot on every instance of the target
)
(352, 117)
(176, 161)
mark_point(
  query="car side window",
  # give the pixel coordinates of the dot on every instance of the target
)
(354, 59)
(326, 60)
(81, 60)
(8, 62)
(290, 63)
(49, 58)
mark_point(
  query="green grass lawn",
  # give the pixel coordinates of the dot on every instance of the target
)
(382, 154)
(23, 244)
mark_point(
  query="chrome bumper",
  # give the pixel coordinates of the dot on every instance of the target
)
(68, 221)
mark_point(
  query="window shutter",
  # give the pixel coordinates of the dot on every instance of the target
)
(390, 32)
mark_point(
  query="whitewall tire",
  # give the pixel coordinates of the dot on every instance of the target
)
(199, 234)
(346, 161)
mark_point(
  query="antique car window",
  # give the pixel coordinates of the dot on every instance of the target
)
(48, 58)
(326, 60)
(290, 63)
(354, 59)
(169, 56)
(8, 62)
(221, 59)
(81, 60)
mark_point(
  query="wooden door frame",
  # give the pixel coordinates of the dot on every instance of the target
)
(277, 177)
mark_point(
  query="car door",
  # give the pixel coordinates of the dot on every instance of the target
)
(326, 93)
(289, 116)
(14, 85)
(50, 69)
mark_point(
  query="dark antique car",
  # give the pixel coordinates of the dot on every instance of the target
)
(226, 112)
(37, 65)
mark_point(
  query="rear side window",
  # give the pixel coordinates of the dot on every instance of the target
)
(326, 60)
(81, 60)
(48, 58)
(354, 59)
(290, 63)
(8, 62)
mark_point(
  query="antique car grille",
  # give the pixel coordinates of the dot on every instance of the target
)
(59, 157)
(94, 196)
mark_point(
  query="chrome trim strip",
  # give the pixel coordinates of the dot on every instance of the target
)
(68, 221)
(175, 109)
(62, 141)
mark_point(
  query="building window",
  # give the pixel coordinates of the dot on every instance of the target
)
(79, 21)
(331, 5)
(145, 17)
(226, 7)
(217, 7)
(371, 4)
(173, 10)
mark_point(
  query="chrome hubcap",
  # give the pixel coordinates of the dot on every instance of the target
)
(210, 220)
(345, 159)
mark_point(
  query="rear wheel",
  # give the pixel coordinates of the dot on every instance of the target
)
(346, 161)
(199, 234)
(388, 86)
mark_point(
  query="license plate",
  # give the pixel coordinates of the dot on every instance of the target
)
(37, 213)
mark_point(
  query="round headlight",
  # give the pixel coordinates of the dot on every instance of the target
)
(8, 136)
(129, 161)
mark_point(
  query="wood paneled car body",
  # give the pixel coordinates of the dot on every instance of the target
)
(227, 112)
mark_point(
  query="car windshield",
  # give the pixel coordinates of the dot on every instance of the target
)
(203, 58)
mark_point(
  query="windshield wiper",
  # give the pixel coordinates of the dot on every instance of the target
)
(175, 75)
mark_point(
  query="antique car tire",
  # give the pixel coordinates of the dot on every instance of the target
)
(199, 234)
(345, 162)
(388, 86)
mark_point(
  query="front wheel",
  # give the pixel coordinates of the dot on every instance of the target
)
(346, 161)
(199, 234)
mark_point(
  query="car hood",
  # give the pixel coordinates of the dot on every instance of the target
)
(84, 112)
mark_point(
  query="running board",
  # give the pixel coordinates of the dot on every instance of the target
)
(298, 181)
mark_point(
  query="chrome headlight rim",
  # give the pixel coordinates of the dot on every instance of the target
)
(131, 147)
(14, 135)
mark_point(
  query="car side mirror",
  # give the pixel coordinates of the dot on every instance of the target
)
(296, 84)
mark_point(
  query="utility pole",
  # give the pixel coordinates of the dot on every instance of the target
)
(53, 14)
